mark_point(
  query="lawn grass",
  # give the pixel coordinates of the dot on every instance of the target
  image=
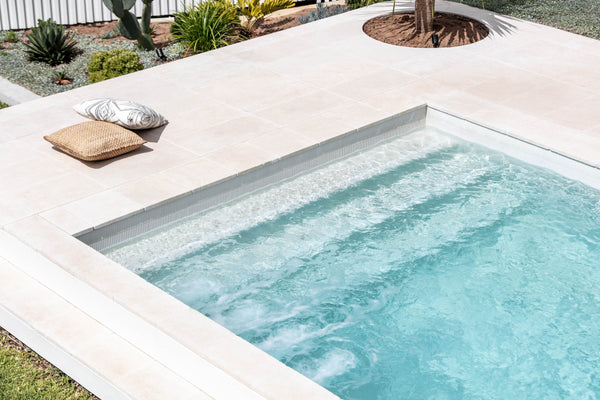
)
(3, 105)
(577, 16)
(24, 375)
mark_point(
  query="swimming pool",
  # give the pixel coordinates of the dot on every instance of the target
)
(428, 267)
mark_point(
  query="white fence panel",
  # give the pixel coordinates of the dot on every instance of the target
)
(23, 14)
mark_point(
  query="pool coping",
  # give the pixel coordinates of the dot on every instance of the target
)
(126, 227)
(86, 314)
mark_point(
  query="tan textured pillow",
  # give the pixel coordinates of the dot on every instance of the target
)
(95, 140)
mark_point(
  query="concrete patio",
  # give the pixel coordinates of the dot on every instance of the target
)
(231, 110)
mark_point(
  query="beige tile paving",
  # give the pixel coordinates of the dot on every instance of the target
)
(198, 173)
(240, 157)
(196, 116)
(102, 207)
(65, 220)
(293, 110)
(15, 152)
(21, 175)
(232, 110)
(151, 190)
(221, 135)
(375, 81)
(594, 132)
(320, 128)
(580, 114)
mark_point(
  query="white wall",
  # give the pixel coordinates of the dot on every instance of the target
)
(22, 14)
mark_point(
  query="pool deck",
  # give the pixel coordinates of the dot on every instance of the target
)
(232, 110)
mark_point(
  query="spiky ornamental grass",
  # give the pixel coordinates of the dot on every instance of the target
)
(38, 77)
(206, 26)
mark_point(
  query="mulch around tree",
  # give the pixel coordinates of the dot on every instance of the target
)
(453, 30)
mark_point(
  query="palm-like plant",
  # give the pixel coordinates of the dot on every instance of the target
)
(424, 10)
(49, 43)
(253, 12)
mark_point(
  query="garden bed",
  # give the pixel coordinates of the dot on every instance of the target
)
(41, 78)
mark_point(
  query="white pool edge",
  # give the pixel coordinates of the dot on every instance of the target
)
(506, 142)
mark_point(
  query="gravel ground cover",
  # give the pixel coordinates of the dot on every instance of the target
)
(577, 16)
(38, 77)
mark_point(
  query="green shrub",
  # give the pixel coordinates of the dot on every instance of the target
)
(109, 64)
(3, 105)
(206, 26)
(49, 43)
(11, 36)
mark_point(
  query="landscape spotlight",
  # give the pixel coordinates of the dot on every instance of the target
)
(435, 39)
(161, 55)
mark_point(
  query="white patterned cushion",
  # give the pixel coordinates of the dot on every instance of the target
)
(122, 112)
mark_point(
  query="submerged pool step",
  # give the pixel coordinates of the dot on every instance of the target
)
(267, 204)
(307, 238)
(296, 248)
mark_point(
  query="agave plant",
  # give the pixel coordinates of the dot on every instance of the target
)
(49, 43)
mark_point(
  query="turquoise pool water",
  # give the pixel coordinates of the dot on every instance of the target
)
(427, 268)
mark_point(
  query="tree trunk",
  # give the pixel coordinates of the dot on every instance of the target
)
(424, 15)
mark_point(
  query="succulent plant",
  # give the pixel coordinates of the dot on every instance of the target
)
(61, 78)
(49, 43)
(11, 37)
(128, 24)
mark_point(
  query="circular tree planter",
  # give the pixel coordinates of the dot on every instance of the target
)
(453, 30)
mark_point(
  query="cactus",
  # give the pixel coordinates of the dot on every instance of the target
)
(128, 24)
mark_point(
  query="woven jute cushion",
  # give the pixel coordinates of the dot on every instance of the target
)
(95, 140)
